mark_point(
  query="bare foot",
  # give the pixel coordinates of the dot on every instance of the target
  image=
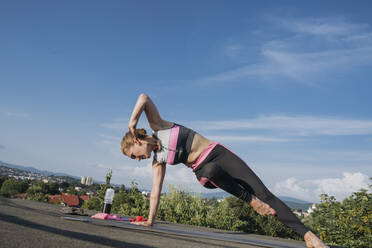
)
(312, 241)
(261, 207)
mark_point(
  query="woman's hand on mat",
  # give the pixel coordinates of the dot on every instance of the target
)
(261, 207)
(142, 223)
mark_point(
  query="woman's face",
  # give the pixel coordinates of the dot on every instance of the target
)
(139, 151)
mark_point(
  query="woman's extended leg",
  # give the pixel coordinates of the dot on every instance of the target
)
(212, 176)
(249, 184)
(239, 170)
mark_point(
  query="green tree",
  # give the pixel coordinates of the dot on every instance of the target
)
(120, 199)
(131, 203)
(346, 224)
(53, 188)
(94, 203)
(38, 187)
(2, 180)
(64, 185)
(23, 186)
(11, 187)
(230, 214)
(252, 222)
(175, 207)
(38, 197)
(224, 216)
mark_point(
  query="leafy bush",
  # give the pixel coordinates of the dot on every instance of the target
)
(2, 180)
(94, 203)
(251, 222)
(348, 223)
(38, 187)
(53, 188)
(230, 214)
(223, 217)
(131, 202)
(38, 197)
(175, 207)
(11, 187)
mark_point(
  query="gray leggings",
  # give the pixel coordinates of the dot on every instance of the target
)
(225, 170)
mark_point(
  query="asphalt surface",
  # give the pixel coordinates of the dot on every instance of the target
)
(25, 223)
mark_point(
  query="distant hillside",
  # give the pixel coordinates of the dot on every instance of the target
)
(34, 170)
(291, 202)
(291, 199)
(296, 203)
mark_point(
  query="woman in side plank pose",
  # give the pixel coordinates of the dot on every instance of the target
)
(213, 164)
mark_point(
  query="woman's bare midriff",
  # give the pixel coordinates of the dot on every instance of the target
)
(199, 144)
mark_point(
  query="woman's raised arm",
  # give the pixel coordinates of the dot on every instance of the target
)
(144, 103)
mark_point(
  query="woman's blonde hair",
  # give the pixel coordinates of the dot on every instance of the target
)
(127, 141)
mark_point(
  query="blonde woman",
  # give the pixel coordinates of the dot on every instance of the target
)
(214, 165)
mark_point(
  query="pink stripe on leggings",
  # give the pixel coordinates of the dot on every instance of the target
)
(203, 155)
(204, 180)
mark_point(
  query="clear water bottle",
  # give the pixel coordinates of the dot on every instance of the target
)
(107, 203)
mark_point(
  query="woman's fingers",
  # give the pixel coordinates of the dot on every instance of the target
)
(134, 134)
(132, 131)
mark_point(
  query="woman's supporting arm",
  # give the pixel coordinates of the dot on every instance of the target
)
(144, 103)
(157, 184)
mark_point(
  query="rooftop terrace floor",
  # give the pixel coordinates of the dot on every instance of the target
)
(25, 223)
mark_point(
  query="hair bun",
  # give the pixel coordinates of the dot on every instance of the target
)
(141, 132)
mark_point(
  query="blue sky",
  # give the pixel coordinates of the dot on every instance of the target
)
(285, 84)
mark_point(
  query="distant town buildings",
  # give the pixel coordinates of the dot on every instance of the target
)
(146, 193)
(311, 209)
(27, 175)
(78, 189)
(87, 180)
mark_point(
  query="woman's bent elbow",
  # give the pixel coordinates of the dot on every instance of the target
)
(143, 97)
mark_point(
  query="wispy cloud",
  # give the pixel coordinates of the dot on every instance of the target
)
(121, 124)
(14, 114)
(322, 26)
(116, 124)
(311, 189)
(317, 50)
(142, 172)
(110, 140)
(294, 125)
(233, 50)
(362, 37)
(303, 67)
(2, 147)
(309, 68)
